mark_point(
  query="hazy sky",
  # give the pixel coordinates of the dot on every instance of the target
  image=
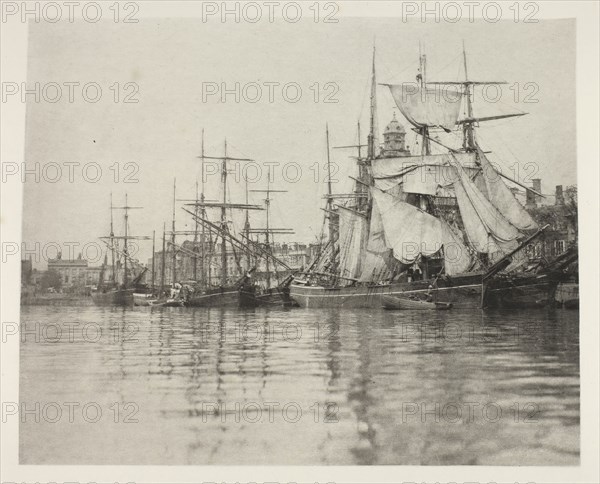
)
(170, 59)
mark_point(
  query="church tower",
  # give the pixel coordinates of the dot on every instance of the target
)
(394, 144)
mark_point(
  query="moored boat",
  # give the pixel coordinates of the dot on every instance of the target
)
(113, 297)
(405, 302)
(443, 223)
(143, 299)
(462, 292)
(119, 290)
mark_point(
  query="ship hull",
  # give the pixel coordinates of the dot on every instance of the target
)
(115, 297)
(521, 292)
(462, 294)
(274, 297)
(143, 299)
(220, 297)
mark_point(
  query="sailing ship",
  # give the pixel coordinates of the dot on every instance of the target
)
(118, 290)
(228, 290)
(269, 288)
(444, 224)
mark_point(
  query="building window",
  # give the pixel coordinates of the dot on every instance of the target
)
(559, 246)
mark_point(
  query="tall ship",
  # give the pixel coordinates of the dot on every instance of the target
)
(442, 226)
(272, 275)
(119, 280)
(225, 251)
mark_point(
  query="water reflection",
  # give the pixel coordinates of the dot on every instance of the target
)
(220, 386)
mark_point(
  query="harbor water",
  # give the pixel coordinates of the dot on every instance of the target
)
(183, 386)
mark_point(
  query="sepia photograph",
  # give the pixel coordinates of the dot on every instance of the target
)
(300, 234)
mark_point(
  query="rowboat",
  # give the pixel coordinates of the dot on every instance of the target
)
(168, 303)
(395, 302)
(143, 299)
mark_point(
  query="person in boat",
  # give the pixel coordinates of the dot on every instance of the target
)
(429, 294)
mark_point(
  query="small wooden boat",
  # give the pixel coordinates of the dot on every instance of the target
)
(143, 299)
(406, 302)
(168, 303)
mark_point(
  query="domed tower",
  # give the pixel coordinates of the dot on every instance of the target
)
(393, 140)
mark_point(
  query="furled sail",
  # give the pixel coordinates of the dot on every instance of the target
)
(457, 257)
(502, 198)
(409, 232)
(428, 106)
(420, 170)
(352, 240)
(487, 229)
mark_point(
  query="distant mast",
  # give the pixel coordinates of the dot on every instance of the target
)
(422, 78)
(125, 250)
(373, 114)
(153, 257)
(163, 260)
(330, 212)
(247, 228)
(112, 242)
(224, 218)
(205, 280)
(174, 258)
(469, 136)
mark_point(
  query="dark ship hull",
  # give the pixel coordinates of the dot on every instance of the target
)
(521, 291)
(463, 292)
(217, 297)
(113, 297)
(271, 298)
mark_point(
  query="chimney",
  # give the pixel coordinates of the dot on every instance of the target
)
(560, 199)
(532, 198)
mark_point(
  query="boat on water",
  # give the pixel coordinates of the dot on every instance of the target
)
(144, 299)
(113, 297)
(125, 272)
(443, 222)
(270, 280)
(413, 303)
(223, 273)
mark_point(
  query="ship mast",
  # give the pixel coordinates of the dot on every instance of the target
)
(126, 237)
(267, 239)
(373, 113)
(469, 138)
(203, 212)
(125, 249)
(424, 131)
(112, 242)
(468, 123)
(247, 228)
(203, 215)
(268, 231)
(162, 262)
(330, 212)
(153, 256)
(224, 218)
(195, 257)
(223, 231)
(174, 257)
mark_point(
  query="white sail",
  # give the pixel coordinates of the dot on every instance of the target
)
(378, 263)
(429, 106)
(503, 199)
(457, 257)
(409, 231)
(352, 240)
(424, 180)
(487, 229)
(420, 170)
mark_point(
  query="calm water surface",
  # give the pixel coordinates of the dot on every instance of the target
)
(214, 386)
